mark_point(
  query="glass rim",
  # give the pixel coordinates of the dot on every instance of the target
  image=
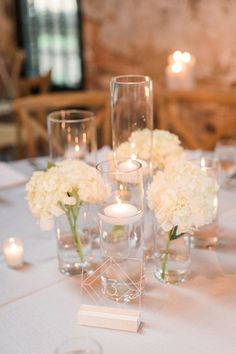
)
(89, 115)
(120, 79)
(12, 239)
(72, 340)
(225, 142)
(209, 158)
(115, 162)
(210, 161)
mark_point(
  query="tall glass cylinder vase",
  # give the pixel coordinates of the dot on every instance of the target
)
(132, 127)
(72, 135)
(121, 230)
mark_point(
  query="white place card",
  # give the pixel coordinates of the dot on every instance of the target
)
(109, 317)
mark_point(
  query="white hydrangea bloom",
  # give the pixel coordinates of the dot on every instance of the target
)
(165, 147)
(183, 195)
(69, 183)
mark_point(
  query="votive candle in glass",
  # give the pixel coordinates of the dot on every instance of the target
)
(13, 251)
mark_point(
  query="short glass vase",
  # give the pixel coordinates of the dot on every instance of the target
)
(74, 243)
(172, 258)
(207, 236)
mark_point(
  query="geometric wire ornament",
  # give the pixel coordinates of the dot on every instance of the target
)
(105, 301)
(113, 267)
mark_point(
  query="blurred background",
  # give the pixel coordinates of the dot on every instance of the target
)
(72, 45)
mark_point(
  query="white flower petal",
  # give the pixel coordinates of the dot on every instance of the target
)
(46, 224)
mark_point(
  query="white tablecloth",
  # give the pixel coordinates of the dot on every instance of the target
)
(39, 306)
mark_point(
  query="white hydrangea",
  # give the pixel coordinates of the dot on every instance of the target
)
(165, 147)
(68, 183)
(183, 195)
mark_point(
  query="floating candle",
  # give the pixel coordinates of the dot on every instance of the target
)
(129, 166)
(120, 214)
(145, 167)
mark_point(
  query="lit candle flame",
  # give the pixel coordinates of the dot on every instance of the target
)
(186, 57)
(176, 68)
(177, 55)
(77, 148)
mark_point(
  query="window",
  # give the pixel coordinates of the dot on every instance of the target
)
(50, 34)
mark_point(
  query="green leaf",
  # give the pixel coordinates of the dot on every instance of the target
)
(117, 232)
(174, 235)
(179, 235)
(50, 165)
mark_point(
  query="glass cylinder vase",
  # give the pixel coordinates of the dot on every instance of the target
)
(74, 242)
(72, 135)
(225, 151)
(132, 129)
(172, 258)
(121, 230)
(207, 236)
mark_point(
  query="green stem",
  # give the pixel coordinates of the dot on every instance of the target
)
(167, 250)
(76, 237)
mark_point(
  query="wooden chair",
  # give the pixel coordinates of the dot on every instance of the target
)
(200, 117)
(32, 111)
(10, 68)
(36, 84)
(10, 132)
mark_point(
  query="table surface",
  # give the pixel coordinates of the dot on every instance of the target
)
(39, 306)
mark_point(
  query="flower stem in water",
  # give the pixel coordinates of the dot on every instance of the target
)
(167, 250)
(72, 218)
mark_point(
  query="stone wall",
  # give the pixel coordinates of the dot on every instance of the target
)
(136, 36)
(7, 25)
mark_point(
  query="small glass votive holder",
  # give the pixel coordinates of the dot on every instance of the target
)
(207, 235)
(13, 252)
(225, 151)
(69, 261)
(81, 345)
(172, 264)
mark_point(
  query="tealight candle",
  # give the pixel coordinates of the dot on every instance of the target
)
(175, 57)
(13, 251)
(181, 57)
(121, 214)
(180, 71)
